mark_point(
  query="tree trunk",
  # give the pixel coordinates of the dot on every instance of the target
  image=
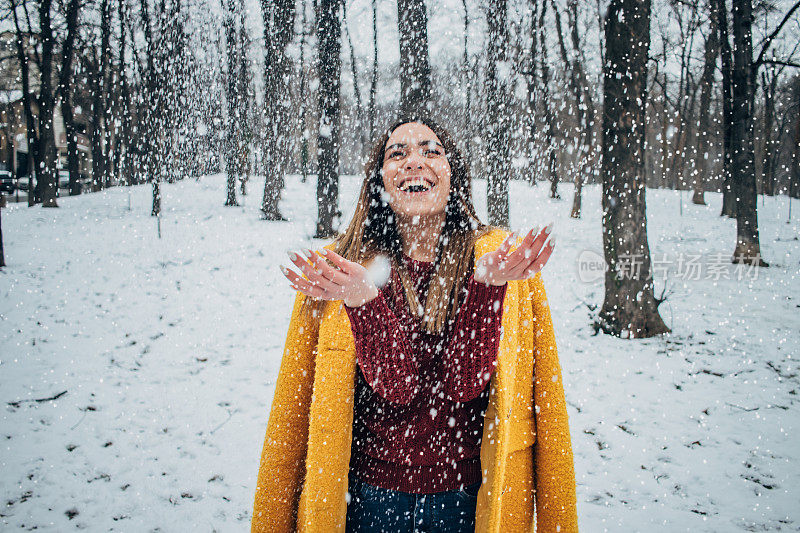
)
(794, 176)
(769, 84)
(415, 69)
(47, 177)
(149, 143)
(246, 102)
(232, 96)
(704, 122)
(728, 195)
(467, 89)
(99, 102)
(27, 104)
(684, 106)
(580, 111)
(531, 83)
(329, 39)
(584, 101)
(356, 89)
(2, 252)
(630, 308)
(303, 103)
(65, 85)
(498, 135)
(747, 248)
(106, 92)
(278, 30)
(122, 159)
(548, 112)
(373, 88)
(665, 123)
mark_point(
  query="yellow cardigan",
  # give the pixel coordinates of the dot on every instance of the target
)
(526, 454)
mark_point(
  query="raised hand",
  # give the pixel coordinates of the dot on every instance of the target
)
(345, 280)
(500, 266)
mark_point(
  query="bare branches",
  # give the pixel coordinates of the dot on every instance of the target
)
(771, 37)
(780, 62)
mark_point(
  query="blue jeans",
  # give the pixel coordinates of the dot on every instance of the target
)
(376, 510)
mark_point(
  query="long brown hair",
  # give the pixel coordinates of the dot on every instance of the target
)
(373, 231)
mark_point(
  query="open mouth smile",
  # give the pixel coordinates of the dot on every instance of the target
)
(416, 185)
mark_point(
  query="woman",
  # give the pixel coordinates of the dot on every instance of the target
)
(402, 407)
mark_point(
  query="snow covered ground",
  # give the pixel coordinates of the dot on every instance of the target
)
(165, 353)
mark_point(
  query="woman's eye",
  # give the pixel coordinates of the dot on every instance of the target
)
(396, 154)
(432, 153)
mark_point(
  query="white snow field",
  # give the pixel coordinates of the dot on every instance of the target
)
(165, 354)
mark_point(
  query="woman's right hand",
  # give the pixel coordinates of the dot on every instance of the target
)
(349, 281)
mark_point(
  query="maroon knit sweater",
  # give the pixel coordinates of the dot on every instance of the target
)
(420, 398)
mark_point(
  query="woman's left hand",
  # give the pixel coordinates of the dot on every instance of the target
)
(500, 266)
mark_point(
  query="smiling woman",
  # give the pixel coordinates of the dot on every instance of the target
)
(402, 409)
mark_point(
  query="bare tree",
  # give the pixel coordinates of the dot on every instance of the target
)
(726, 60)
(23, 43)
(2, 253)
(165, 77)
(415, 69)
(466, 78)
(552, 158)
(531, 81)
(278, 31)
(354, 72)
(303, 100)
(125, 108)
(704, 122)
(794, 178)
(373, 88)
(748, 249)
(232, 86)
(98, 68)
(630, 308)
(246, 99)
(65, 87)
(583, 102)
(769, 85)
(586, 109)
(329, 42)
(41, 137)
(496, 119)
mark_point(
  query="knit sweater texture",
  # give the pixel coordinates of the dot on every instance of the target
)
(420, 398)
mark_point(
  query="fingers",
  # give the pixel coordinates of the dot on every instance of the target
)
(336, 276)
(338, 261)
(530, 249)
(541, 259)
(314, 277)
(525, 251)
(506, 246)
(303, 285)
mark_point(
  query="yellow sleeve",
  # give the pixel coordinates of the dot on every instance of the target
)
(554, 469)
(282, 468)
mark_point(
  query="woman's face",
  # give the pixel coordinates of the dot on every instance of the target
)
(416, 172)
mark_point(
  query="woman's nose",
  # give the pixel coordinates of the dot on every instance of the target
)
(414, 160)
